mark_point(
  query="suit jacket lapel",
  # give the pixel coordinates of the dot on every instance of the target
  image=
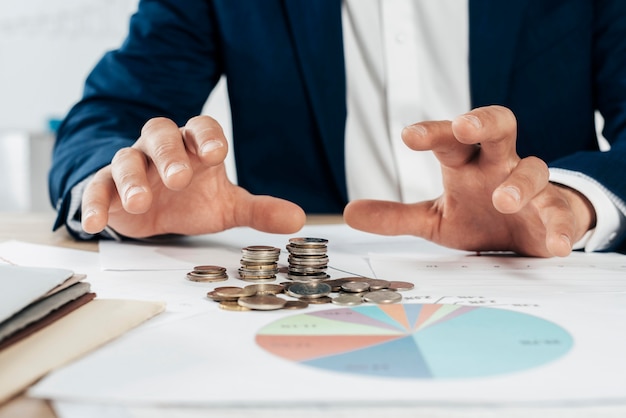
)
(494, 29)
(316, 29)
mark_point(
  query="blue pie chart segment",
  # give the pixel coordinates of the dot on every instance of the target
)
(415, 341)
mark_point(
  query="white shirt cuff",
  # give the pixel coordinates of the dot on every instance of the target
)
(610, 209)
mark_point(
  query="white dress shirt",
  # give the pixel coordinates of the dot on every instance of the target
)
(407, 61)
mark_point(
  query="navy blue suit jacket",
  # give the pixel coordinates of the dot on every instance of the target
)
(553, 62)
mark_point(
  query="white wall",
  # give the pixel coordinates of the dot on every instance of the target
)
(47, 48)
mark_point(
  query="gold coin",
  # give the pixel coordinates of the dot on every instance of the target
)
(233, 292)
(209, 269)
(400, 286)
(295, 304)
(262, 302)
(232, 306)
(211, 295)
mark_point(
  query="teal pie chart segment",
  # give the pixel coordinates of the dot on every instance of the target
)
(417, 341)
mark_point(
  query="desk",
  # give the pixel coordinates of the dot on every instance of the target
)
(36, 228)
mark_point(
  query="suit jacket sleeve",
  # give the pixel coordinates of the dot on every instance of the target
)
(115, 103)
(609, 87)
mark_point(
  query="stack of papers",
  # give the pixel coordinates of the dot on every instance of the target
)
(33, 297)
(46, 321)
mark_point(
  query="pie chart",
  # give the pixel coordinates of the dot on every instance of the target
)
(416, 341)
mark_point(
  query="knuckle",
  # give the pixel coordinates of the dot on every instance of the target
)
(154, 124)
(123, 154)
(201, 119)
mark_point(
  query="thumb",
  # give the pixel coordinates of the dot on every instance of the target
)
(391, 218)
(269, 214)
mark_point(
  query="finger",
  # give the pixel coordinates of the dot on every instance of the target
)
(390, 218)
(129, 173)
(161, 141)
(438, 137)
(205, 138)
(493, 127)
(96, 202)
(268, 214)
(527, 179)
(559, 224)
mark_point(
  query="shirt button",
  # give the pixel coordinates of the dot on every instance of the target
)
(400, 37)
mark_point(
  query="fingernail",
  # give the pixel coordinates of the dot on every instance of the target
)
(133, 190)
(88, 214)
(473, 120)
(567, 240)
(513, 192)
(175, 168)
(211, 145)
(418, 129)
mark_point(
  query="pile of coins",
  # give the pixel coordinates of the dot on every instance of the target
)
(350, 291)
(259, 263)
(307, 259)
(207, 274)
(260, 297)
(309, 283)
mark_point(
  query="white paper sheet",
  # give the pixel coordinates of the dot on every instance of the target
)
(198, 355)
(20, 286)
(468, 274)
(211, 359)
(347, 249)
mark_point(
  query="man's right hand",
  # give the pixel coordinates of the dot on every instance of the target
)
(173, 180)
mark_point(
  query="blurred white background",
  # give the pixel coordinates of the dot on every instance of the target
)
(47, 48)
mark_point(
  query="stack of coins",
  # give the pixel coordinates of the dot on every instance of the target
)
(307, 259)
(259, 263)
(207, 274)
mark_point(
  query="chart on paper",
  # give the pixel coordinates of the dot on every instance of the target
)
(419, 341)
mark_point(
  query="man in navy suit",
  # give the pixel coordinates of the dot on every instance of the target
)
(145, 165)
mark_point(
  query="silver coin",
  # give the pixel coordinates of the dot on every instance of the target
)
(308, 241)
(306, 277)
(378, 284)
(336, 283)
(261, 248)
(381, 297)
(306, 270)
(259, 266)
(318, 301)
(310, 290)
(306, 251)
(262, 302)
(195, 277)
(355, 287)
(266, 288)
(347, 300)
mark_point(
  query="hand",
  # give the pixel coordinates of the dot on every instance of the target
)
(173, 180)
(492, 199)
